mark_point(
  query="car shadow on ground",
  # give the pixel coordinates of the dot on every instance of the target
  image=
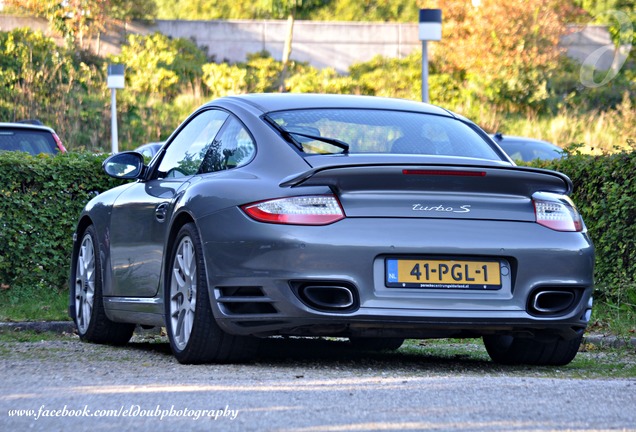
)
(332, 352)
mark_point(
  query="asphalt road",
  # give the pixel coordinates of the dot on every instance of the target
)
(295, 385)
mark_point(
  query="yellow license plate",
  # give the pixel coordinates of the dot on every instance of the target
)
(443, 273)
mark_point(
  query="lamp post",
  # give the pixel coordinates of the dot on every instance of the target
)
(430, 29)
(115, 81)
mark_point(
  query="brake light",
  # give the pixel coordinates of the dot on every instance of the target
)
(298, 210)
(556, 212)
(437, 172)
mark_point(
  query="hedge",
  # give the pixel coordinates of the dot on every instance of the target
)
(41, 198)
(605, 193)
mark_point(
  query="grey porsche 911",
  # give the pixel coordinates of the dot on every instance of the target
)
(365, 218)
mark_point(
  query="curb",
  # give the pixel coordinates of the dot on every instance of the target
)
(40, 326)
(598, 340)
(604, 341)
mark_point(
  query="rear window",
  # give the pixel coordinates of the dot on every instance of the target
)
(381, 131)
(30, 141)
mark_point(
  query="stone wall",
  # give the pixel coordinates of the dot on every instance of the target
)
(322, 44)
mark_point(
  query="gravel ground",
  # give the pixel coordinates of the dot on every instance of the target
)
(301, 385)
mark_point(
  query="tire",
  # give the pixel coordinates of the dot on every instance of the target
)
(90, 318)
(194, 335)
(510, 350)
(376, 344)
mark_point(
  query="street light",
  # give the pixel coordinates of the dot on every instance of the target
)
(430, 30)
(115, 81)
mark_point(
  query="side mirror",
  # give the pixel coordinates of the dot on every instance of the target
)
(124, 165)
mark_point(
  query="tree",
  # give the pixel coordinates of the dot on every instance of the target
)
(506, 50)
(229, 9)
(202, 9)
(160, 66)
(81, 21)
(278, 9)
(321, 10)
(599, 7)
(369, 10)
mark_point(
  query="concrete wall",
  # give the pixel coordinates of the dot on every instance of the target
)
(322, 44)
(584, 40)
(8, 23)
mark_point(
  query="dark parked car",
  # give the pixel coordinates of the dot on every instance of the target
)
(29, 137)
(528, 149)
(321, 215)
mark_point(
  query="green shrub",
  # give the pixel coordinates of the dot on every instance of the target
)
(605, 193)
(40, 201)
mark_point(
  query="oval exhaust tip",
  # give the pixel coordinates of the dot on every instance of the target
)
(552, 302)
(328, 297)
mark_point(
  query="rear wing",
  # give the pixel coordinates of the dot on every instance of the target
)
(510, 180)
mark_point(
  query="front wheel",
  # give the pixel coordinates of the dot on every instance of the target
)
(86, 293)
(194, 335)
(512, 350)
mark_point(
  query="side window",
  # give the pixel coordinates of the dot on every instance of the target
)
(186, 151)
(233, 147)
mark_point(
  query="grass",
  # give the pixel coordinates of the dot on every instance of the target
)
(48, 305)
(597, 132)
(590, 362)
(436, 356)
(612, 319)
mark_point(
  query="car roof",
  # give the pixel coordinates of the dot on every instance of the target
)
(268, 102)
(26, 126)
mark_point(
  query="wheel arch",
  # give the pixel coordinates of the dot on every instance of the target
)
(178, 222)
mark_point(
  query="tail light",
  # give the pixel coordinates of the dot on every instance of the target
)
(298, 210)
(556, 212)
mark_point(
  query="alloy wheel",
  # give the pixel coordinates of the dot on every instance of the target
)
(183, 292)
(85, 283)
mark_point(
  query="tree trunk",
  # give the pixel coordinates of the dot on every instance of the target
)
(286, 51)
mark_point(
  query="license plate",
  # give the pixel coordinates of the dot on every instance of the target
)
(443, 274)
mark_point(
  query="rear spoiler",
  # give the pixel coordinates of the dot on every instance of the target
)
(511, 180)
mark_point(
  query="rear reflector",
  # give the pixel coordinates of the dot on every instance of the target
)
(444, 173)
(299, 210)
(556, 212)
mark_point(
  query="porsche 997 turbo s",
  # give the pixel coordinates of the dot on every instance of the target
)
(366, 218)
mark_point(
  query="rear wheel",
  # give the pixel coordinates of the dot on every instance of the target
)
(376, 344)
(512, 350)
(90, 318)
(194, 335)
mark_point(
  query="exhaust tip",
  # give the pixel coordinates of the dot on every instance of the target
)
(328, 297)
(552, 302)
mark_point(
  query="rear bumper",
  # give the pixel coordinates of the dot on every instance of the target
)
(254, 271)
(410, 323)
